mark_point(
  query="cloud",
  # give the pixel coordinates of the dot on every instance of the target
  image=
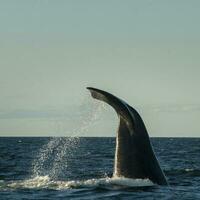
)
(173, 108)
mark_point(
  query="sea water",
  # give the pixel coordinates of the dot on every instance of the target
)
(81, 168)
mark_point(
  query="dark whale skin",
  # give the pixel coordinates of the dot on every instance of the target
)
(134, 155)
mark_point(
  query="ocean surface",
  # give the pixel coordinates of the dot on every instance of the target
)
(81, 168)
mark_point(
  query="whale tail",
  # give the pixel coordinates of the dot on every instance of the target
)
(134, 155)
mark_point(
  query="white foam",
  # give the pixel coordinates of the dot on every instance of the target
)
(131, 182)
(45, 182)
(37, 182)
(189, 170)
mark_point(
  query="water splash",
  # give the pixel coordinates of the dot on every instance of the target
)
(40, 182)
(58, 149)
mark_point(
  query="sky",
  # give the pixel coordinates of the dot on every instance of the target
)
(146, 52)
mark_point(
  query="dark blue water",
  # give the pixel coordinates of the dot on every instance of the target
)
(79, 168)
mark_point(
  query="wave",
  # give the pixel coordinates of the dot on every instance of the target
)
(44, 182)
(185, 172)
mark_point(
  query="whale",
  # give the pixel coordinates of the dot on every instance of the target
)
(134, 154)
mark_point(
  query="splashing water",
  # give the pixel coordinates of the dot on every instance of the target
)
(49, 159)
(53, 158)
(40, 182)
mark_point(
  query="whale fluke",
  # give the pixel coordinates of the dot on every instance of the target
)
(134, 156)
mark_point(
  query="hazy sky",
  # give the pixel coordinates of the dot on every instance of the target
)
(145, 51)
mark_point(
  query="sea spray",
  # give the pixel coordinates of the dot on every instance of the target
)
(53, 157)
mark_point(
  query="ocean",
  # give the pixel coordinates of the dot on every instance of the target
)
(81, 168)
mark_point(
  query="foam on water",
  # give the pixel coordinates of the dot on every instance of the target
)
(42, 182)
